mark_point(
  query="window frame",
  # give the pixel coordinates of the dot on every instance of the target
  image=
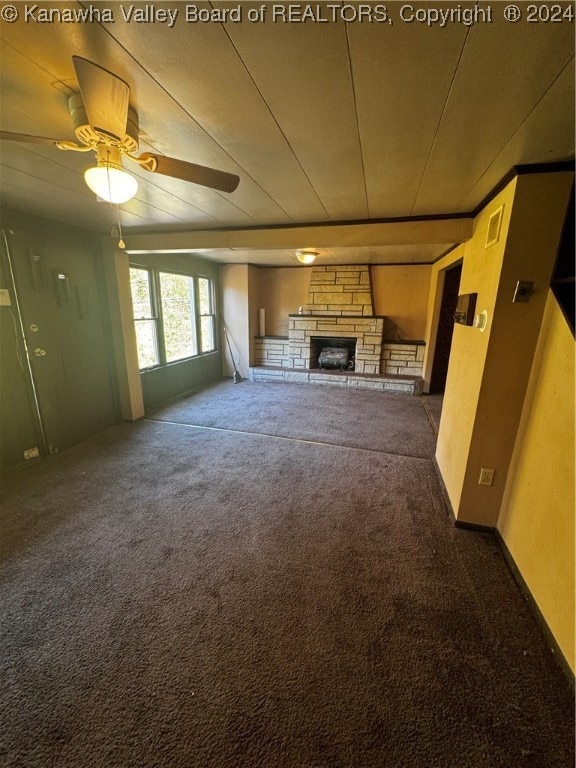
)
(193, 293)
(211, 314)
(152, 290)
(158, 314)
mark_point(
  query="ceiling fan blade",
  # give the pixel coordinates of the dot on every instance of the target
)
(197, 174)
(106, 98)
(9, 136)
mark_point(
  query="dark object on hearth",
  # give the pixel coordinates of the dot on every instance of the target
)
(333, 357)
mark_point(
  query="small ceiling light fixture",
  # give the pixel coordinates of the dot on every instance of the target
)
(108, 179)
(306, 257)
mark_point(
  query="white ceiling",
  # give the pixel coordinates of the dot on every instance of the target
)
(323, 121)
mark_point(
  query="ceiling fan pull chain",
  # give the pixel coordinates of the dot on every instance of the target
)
(121, 243)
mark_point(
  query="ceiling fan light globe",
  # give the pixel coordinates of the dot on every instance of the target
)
(111, 184)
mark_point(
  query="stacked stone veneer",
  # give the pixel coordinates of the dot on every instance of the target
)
(402, 359)
(272, 350)
(396, 359)
(366, 330)
(343, 290)
(339, 305)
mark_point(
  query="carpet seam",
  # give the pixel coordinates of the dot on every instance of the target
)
(290, 439)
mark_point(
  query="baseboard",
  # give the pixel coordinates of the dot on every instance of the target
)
(539, 616)
(458, 523)
(182, 396)
(474, 527)
(443, 490)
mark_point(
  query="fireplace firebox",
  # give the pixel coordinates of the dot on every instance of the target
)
(336, 353)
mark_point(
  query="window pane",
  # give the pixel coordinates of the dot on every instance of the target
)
(145, 323)
(205, 296)
(147, 343)
(177, 297)
(207, 333)
(207, 339)
(141, 298)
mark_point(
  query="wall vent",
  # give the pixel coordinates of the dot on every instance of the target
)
(494, 222)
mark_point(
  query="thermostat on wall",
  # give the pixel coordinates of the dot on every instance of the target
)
(465, 308)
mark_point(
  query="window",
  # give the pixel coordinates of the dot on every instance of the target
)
(144, 318)
(207, 318)
(174, 316)
(178, 316)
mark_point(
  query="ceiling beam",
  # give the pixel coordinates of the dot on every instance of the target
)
(406, 232)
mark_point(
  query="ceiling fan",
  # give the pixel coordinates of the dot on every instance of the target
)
(104, 122)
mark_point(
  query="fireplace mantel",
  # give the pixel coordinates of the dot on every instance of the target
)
(349, 315)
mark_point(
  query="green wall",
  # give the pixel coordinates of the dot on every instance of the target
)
(168, 382)
(18, 428)
(69, 393)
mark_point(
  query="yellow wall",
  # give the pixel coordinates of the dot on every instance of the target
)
(281, 291)
(488, 372)
(401, 294)
(537, 517)
(234, 288)
(240, 286)
(480, 274)
(509, 399)
(254, 293)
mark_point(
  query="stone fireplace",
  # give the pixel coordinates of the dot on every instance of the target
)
(366, 331)
(339, 306)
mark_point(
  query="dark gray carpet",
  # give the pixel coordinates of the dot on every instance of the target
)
(176, 597)
(381, 421)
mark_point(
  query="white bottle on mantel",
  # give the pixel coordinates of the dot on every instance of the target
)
(300, 311)
(262, 322)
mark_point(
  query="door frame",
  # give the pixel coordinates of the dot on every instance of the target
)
(441, 332)
(458, 258)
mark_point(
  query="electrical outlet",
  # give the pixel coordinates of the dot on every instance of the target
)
(31, 453)
(486, 476)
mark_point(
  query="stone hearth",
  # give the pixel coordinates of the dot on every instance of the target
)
(409, 385)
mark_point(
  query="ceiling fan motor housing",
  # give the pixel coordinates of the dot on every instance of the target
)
(105, 123)
(91, 136)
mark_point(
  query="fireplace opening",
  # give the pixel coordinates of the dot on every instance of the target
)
(332, 353)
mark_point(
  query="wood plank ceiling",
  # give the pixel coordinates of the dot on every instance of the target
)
(324, 121)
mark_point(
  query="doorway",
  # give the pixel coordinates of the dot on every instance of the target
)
(445, 329)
